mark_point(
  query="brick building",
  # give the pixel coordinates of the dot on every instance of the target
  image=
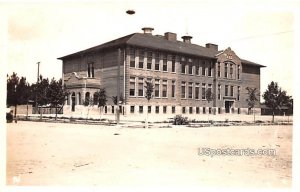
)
(181, 72)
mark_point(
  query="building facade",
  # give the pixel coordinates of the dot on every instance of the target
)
(181, 72)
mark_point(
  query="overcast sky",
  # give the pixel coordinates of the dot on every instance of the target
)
(259, 31)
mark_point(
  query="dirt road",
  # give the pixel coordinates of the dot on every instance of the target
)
(93, 155)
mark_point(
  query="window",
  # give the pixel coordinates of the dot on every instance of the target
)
(239, 111)
(156, 109)
(231, 91)
(156, 88)
(226, 90)
(197, 90)
(173, 89)
(203, 110)
(91, 70)
(132, 86)
(191, 110)
(141, 59)
(164, 109)
(238, 93)
(209, 88)
(149, 109)
(231, 71)
(219, 92)
(197, 110)
(197, 72)
(68, 99)
(173, 109)
(190, 92)
(95, 99)
(156, 62)
(203, 91)
(149, 60)
(112, 109)
(226, 70)
(132, 58)
(238, 72)
(141, 87)
(183, 85)
(183, 110)
(73, 101)
(87, 98)
(140, 109)
(219, 110)
(105, 109)
(209, 110)
(210, 69)
(173, 64)
(203, 68)
(165, 63)
(183, 66)
(164, 88)
(219, 69)
(131, 109)
(190, 66)
(79, 99)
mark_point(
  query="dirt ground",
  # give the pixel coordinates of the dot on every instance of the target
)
(94, 155)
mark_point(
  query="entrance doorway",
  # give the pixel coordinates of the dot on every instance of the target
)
(73, 101)
(228, 105)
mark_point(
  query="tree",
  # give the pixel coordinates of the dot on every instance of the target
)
(18, 91)
(56, 94)
(252, 99)
(115, 98)
(100, 99)
(88, 102)
(210, 96)
(275, 98)
(115, 101)
(148, 94)
(40, 91)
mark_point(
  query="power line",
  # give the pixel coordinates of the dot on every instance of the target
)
(264, 35)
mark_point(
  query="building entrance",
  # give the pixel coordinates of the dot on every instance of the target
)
(228, 106)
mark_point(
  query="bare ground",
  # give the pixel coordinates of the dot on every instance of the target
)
(94, 155)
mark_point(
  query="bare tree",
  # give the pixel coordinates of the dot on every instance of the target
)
(148, 94)
(88, 102)
(210, 96)
(253, 98)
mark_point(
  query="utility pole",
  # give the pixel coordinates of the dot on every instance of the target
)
(38, 72)
(38, 77)
(118, 87)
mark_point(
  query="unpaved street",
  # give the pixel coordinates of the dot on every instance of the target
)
(94, 155)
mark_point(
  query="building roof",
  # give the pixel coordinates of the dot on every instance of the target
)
(158, 43)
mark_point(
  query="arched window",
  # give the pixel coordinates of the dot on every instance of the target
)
(87, 98)
(73, 98)
(68, 99)
(79, 98)
(95, 98)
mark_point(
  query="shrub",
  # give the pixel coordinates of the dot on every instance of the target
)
(180, 120)
(9, 117)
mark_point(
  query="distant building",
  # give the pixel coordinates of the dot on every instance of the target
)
(181, 72)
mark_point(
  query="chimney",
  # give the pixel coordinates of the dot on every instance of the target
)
(187, 38)
(211, 46)
(171, 36)
(148, 30)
